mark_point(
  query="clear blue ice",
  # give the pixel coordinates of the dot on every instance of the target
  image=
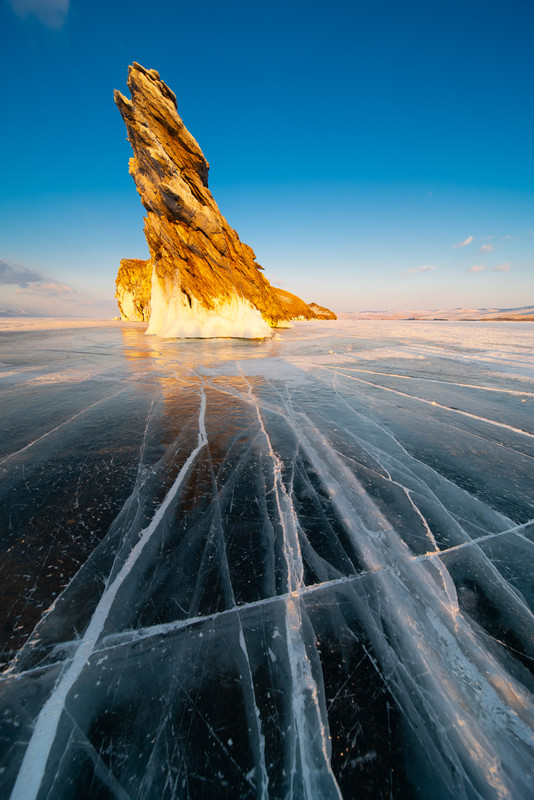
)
(291, 568)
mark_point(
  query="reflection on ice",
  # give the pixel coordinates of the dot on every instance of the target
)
(290, 568)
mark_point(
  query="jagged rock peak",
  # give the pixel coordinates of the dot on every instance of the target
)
(154, 74)
(154, 106)
(200, 268)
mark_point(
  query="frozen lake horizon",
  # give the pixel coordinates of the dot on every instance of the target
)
(298, 567)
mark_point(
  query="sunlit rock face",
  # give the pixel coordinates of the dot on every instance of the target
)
(321, 312)
(134, 287)
(199, 267)
(295, 307)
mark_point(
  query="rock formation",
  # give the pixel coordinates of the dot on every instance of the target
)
(296, 308)
(200, 280)
(134, 287)
(321, 312)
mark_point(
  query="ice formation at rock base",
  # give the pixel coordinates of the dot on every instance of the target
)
(290, 568)
(175, 316)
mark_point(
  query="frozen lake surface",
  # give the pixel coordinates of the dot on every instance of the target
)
(294, 568)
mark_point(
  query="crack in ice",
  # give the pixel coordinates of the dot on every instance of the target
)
(61, 425)
(32, 770)
(435, 404)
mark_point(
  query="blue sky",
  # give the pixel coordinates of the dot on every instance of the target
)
(375, 155)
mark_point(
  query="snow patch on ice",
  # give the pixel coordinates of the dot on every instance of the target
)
(175, 316)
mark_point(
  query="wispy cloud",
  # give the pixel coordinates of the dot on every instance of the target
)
(30, 281)
(464, 243)
(476, 268)
(51, 13)
(504, 267)
(506, 237)
(47, 289)
(413, 270)
(18, 275)
(487, 248)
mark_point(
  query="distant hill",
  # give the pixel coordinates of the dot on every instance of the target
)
(521, 314)
(9, 312)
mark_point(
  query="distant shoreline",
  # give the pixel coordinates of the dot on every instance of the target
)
(22, 324)
(29, 324)
(465, 319)
(519, 314)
